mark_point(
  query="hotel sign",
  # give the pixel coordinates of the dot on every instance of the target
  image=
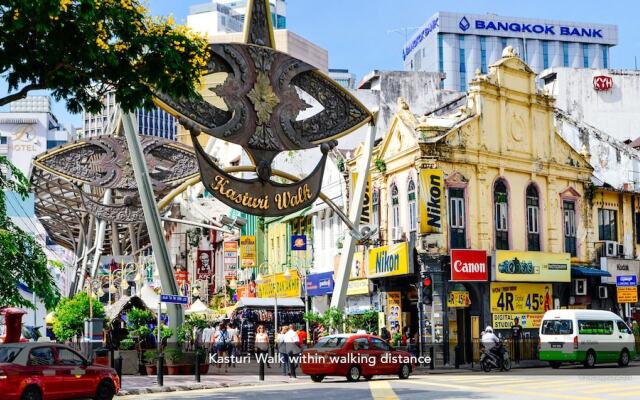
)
(602, 83)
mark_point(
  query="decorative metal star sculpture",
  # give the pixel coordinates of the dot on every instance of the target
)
(252, 98)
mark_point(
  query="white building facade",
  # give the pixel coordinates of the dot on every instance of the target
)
(227, 16)
(458, 44)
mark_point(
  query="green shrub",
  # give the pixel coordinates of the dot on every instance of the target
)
(173, 355)
(150, 357)
(126, 344)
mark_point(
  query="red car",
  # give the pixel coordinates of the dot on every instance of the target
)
(41, 370)
(354, 356)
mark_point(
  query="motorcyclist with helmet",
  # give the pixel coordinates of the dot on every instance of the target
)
(490, 341)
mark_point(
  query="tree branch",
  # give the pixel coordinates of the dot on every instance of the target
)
(20, 94)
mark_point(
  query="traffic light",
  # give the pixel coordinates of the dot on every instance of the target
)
(427, 289)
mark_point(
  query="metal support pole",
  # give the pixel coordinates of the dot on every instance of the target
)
(306, 308)
(119, 367)
(355, 211)
(152, 220)
(100, 232)
(197, 370)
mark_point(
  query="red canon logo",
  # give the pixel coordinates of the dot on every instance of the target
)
(469, 265)
(602, 82)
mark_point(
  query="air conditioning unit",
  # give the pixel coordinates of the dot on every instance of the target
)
(603, 292)
(580, 287)
(610, 248)
(396, 233)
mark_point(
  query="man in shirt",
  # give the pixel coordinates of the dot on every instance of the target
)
(516, 335)
(292, 346)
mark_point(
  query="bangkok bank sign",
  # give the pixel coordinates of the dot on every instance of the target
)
(469, 265)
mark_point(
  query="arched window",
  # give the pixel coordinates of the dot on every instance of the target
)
(395, 213)
(375, 207)
(533, 219)
(501, 207)
(413, 209)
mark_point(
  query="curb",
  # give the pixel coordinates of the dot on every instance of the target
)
(178, 388)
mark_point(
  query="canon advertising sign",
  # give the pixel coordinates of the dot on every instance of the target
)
(469, 266)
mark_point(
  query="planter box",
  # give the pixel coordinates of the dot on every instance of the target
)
(152, 369)
(175, 369)
(130, 362)
(204, 369)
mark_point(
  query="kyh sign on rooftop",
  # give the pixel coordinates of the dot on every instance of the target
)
(251, 97)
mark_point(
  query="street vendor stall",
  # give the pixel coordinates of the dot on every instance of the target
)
(251, 312)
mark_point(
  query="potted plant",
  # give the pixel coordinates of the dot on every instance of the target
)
(173, 356)
(165, 334)
(138, 326)
(126, 350)
(151, 361)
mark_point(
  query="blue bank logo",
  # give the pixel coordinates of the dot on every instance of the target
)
(464, 24)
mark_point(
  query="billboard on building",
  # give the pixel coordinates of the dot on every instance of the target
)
(204, 264)
(431, 200)
(283, 287)
(532, 266)
(247, 251)
(618, 267)
(389, 260)
(358, 287)
(320, 284)
(521, 298)
(469, 265)
(365, 217)
(394, 311)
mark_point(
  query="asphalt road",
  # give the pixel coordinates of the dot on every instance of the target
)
(569, 382)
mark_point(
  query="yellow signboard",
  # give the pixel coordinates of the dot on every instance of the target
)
(532, 266)
(394, 311)
(389, 261)
(458, 298)
(527, 321)
(358, 269)
(283, 287)
(358, 286)
(525, 298)
(247, 251)
(627, 294)
(431, 200)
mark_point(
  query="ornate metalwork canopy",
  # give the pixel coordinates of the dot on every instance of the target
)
(253, 97)
(69, 182)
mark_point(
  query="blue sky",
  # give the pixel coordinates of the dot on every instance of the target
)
(363, 35)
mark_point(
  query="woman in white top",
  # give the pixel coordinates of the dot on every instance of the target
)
(262, 343)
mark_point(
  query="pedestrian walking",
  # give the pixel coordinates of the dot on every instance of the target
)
(516, 335)
(293, 348)
(222, 340)
(262, 343)
(282, 350)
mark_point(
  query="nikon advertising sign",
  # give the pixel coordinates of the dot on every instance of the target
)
(431, 200)
(389, 261)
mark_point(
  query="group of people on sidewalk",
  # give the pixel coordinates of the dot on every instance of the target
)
(224, 342)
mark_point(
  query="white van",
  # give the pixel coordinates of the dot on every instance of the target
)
(586, 336)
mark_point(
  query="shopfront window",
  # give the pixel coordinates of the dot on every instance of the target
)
(501, 207)
(533, 219)
(569, 210)
(457, 228)
(413, 214)
(607, 224)
(375, 207)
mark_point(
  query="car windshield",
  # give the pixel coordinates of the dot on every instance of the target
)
(557, 327)
(8, 353)
(332, 342)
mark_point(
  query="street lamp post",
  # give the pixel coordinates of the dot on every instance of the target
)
(303, 272)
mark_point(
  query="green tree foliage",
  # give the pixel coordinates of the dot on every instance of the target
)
(81, 49)
(138, 321)
(21, 257)
(71, 313)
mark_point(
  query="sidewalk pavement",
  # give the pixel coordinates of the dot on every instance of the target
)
(240, 376)
(136, 384)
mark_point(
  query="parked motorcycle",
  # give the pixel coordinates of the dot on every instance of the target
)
(497, 358)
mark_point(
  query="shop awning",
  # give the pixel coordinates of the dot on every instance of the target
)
(269, 302)
(296, 214)
(586, 272)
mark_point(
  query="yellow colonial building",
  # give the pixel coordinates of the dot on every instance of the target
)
(489, 173)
